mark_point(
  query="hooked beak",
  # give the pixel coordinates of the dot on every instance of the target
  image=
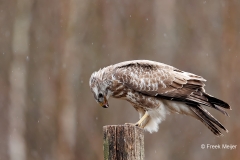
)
(105, 103)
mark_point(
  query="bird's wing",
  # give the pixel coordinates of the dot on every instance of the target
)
(154, 79)
(161, 80)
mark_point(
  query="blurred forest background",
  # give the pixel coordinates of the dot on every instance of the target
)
(48, 50)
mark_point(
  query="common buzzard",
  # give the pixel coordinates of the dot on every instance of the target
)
(155, 89)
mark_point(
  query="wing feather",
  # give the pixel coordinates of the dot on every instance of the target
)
(157, 79)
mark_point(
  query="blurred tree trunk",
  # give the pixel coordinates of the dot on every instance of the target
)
(51, 103)
(66, 119)
(46, 50)
(196, 22)
(230, 68)
(86, 22)
(20, 45)
(7, 11)
(123, 35)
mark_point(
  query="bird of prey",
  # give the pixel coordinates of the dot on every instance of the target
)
(155, 89)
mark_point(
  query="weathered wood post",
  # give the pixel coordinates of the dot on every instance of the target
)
(123, 142)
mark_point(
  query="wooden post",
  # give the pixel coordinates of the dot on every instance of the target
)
(123, 142)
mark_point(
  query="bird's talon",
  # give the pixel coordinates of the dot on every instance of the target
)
(132, 124)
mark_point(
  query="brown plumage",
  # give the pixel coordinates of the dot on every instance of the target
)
(156, 89)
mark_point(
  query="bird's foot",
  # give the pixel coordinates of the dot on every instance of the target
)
(131, 124)
(134, 124)
(142, 122)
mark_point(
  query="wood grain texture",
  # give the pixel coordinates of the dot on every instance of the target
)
(123, 142)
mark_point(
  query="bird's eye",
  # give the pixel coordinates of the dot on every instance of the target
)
(100, 95)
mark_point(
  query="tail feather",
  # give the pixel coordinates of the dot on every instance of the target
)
(207, 100)
(216, 101)
(207, 119)
(200, 97)
(209, 104)
(221, 110)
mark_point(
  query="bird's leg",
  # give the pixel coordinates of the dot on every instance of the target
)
(142, 122)
(145, 122)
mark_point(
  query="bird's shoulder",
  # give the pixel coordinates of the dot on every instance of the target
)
(142, 64)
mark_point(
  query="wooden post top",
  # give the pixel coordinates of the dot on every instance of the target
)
(123, 142)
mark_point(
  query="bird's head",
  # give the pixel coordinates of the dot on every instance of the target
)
(100, 89)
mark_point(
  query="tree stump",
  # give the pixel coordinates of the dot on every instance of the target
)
(123, 142)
